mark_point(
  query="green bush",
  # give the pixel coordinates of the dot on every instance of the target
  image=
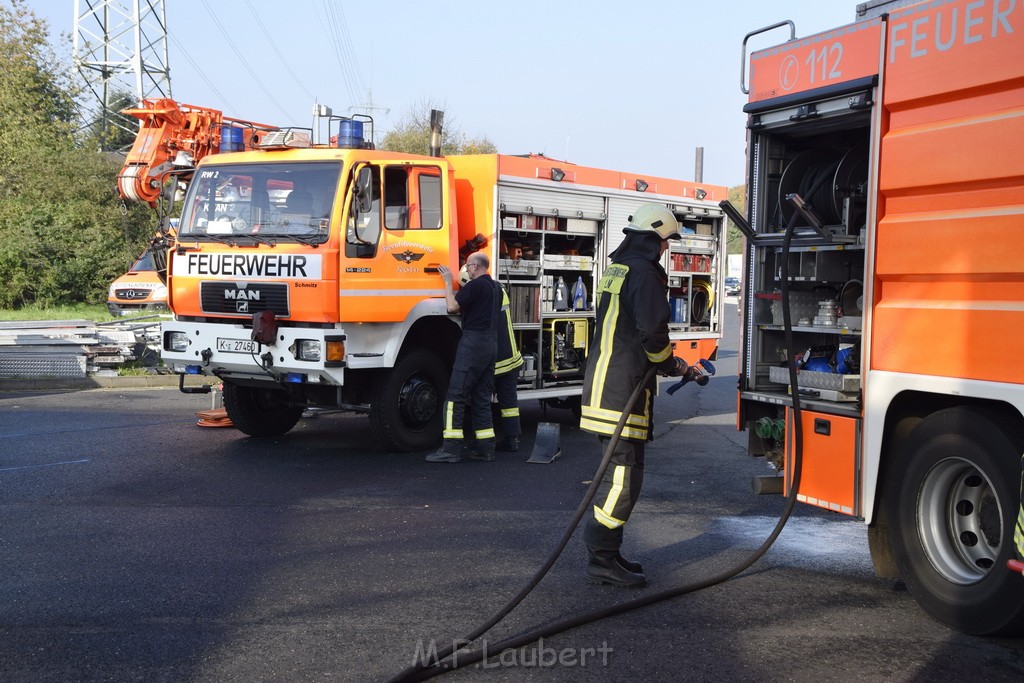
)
(64, 231)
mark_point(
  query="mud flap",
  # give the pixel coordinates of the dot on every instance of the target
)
(547, 447)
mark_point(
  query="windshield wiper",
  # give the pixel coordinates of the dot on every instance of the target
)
(261, 240)
(216, 238)
(305, 240)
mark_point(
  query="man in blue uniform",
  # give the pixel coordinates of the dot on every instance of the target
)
(472, 380)
(631, 335)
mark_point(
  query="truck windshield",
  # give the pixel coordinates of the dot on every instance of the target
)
(268, 202)
(144, 263)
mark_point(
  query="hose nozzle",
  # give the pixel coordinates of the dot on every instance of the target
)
(700, 373)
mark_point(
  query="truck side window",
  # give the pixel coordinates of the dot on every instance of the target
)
(363, 231)
(430, 201)
(412, 198)
(396, 198)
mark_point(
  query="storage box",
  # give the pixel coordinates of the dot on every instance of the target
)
(768, 307)
(510, 222)
(549, 223)
(529, 222)
(581, 225)
(566, 262)
(817, 380)
(830, 460)
(525, 267)
(705, 229)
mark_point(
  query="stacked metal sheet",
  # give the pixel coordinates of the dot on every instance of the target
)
(70, 348)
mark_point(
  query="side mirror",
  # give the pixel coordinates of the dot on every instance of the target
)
(364, 190)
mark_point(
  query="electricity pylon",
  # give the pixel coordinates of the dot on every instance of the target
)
(120, 51)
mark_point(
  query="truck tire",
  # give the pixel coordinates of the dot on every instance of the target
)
(407, 409)
(951, 506)
(259, 412)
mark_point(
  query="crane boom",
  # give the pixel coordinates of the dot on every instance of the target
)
(175, 136)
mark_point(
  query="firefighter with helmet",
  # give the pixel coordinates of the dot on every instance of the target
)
(630, 336)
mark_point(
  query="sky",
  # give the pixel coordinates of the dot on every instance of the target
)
(634, 87)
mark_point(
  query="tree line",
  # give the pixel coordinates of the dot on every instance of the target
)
(64, 232)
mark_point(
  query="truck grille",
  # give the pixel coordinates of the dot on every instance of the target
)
(244, 298)
(131, 294)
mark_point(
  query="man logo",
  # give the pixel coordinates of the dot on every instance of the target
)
(408, 256)
(242, 297)
(242, 294)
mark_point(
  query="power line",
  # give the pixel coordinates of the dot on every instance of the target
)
(340, 44)
(273, 45)
(199, 71)
(244, 62)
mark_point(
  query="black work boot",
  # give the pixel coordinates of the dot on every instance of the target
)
(605, 568)
(634, 567)
(509, 444)
(483, 450)
(450, 451)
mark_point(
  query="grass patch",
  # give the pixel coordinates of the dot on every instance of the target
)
(131, 370)
(92, 312)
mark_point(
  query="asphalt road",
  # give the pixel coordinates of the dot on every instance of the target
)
(136, 545)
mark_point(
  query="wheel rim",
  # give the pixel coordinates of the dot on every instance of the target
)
(959, 520)
(417, 402)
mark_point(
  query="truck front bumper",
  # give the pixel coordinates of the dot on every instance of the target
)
(298, 354)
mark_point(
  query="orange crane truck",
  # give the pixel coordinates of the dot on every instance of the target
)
(305, 273)
(885, 201)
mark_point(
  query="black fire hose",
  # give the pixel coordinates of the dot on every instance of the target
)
(420, 671)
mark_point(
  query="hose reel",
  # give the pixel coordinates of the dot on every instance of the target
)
(838, 201)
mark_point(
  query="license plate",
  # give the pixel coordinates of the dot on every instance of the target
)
(237, 346)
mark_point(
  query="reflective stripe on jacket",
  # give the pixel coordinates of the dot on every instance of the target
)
(509, 357)
(631, 334)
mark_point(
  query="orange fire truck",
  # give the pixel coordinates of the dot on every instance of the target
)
(885, 192)
(305, 273)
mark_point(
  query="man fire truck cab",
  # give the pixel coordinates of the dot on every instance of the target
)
(305, 273)
(882, 283)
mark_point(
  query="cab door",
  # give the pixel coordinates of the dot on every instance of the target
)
(397, 231)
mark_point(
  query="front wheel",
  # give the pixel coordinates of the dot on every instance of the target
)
(407, 409)
(952, 504)
(259, 412)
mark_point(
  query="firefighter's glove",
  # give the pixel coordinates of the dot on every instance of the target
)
(679, 369)
(700, 373)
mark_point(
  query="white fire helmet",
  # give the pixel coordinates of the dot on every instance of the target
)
(654, 218)
(463, 276)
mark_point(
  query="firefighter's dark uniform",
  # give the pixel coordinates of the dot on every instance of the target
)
(506, 374)
(631, 335)
(472, 380)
